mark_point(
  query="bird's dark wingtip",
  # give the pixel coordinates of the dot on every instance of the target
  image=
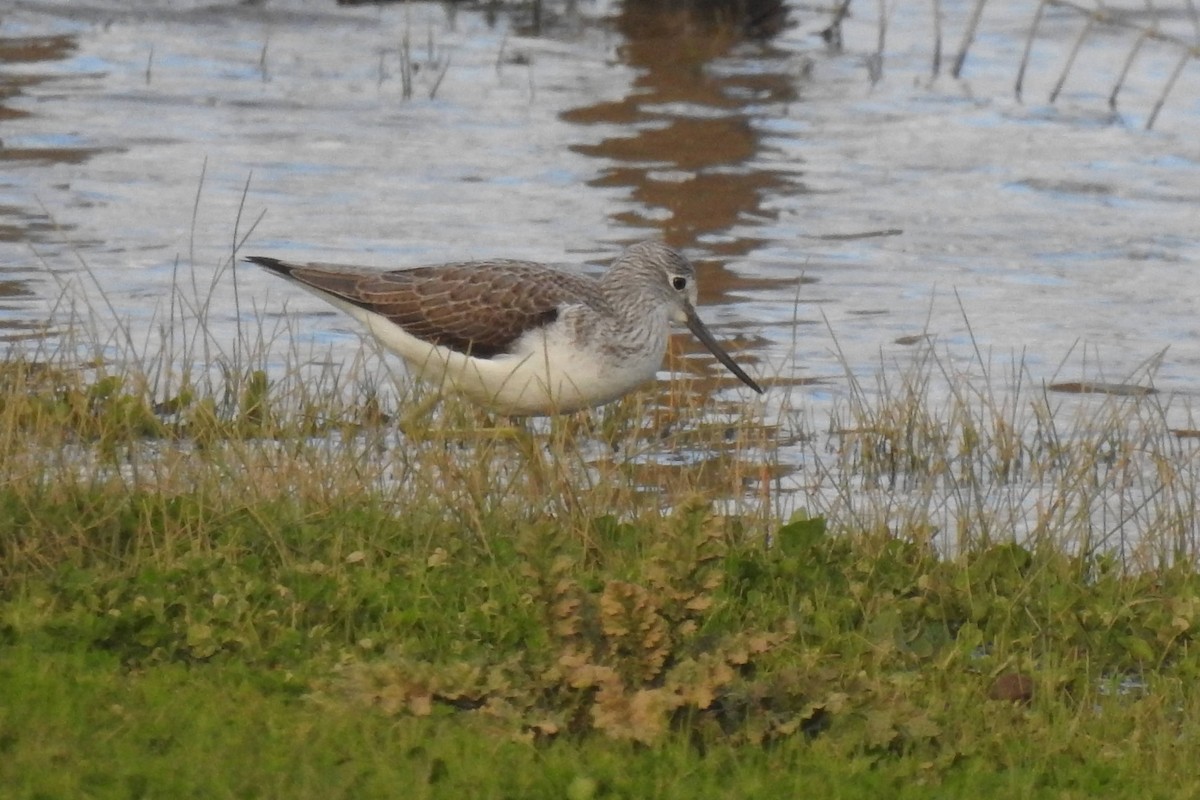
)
(273, 264)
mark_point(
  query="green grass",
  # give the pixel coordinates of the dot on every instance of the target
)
(205, 731)
(343, 651)
(315, 588)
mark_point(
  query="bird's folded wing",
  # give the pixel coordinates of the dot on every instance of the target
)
(477, 308)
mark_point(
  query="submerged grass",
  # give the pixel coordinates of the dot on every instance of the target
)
(936, 451)
(308, 582)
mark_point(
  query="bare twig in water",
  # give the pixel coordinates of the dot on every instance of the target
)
(1170, 84)
(1075, 48)
(405, 68)
(937, 37)
(875, 60)
(1129, 59)
(1037, 20)
(1151, 32)
(881, 42)
(1145, 25)
(500, 54)
(832, 34)
(968, 37)
(262, 60)
(441, 74)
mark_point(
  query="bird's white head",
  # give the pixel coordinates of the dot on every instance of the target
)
(671, 279)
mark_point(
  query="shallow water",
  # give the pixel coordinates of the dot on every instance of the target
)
(833, 216)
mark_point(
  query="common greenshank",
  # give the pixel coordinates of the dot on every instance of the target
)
(518, 337)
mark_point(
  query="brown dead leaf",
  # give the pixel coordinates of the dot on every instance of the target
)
(699, 681)
(421, 705)
(636, 631)
(580, 674)
(642, 715)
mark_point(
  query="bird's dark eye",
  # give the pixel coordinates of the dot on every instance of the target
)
(679, 283)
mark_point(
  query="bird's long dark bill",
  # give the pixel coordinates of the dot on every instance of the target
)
(697, 327)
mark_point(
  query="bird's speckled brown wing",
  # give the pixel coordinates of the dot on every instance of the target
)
(480, 308)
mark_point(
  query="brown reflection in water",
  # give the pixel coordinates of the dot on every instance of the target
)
(19, 224)
(692, 140)
(28, 50)
(13, 289)
(688, 156)
(25, 50)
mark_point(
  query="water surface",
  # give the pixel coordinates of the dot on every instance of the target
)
(843, 207)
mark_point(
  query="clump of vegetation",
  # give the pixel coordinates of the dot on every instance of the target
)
(634, 656)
